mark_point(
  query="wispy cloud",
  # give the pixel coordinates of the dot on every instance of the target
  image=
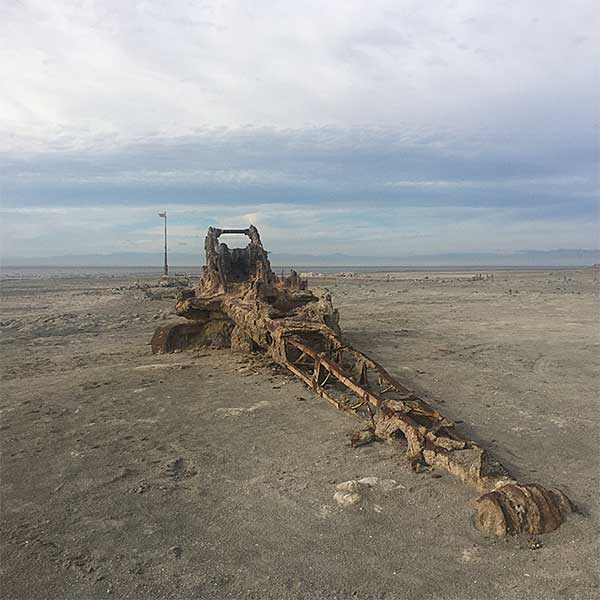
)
(467, 125)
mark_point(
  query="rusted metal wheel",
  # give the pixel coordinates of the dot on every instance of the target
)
(528, 508)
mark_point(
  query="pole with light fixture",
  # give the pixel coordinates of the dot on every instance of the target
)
(163, 215)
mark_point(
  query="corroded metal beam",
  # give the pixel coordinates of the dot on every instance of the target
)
(240, 302)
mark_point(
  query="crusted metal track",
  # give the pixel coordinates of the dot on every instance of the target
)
(240, 302)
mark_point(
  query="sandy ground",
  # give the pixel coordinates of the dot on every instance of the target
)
(211, 475)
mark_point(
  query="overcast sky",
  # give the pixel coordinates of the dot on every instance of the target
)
(373, 128)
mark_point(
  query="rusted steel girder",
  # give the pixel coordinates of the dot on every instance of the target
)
(240, 302)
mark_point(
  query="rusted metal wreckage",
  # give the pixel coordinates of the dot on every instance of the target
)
(239, 302)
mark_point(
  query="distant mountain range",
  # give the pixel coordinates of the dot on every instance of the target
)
(524, 258)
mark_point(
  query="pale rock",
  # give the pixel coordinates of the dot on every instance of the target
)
(348, 486)
(346, 499)
(369, 481)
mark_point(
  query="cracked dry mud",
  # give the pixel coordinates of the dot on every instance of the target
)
(201, 474)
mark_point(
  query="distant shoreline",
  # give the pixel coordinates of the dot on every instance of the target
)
(56, 272)
(382, 268)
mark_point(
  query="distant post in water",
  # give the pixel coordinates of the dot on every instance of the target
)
(163, 215)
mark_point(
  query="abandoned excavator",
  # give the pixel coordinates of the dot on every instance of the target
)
(240, 303)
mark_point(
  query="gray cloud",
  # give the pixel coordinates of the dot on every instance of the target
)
(345, 165)
(450, 120)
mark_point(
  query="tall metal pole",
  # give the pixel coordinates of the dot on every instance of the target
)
(166, 263)
(163, 215)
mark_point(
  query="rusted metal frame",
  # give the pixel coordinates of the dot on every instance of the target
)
(367, 397)
(405, 415)
(319, 386)
(418, 407)
(313, 383)
(336, 370)
(234, 231)
(506, 507)
(297, 361)
(319, 390)
(370, 399)
(322, 383)
(388, 389)
(302, 347)
(363, 378)
(423, 408)
(391, 381)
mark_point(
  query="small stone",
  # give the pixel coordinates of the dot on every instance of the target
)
(176, 551)
(345, 499)
(369, 481)
(348, 486)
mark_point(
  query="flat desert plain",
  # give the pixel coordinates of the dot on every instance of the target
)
(206, 474)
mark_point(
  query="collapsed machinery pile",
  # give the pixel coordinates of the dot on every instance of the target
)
(240, 303)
